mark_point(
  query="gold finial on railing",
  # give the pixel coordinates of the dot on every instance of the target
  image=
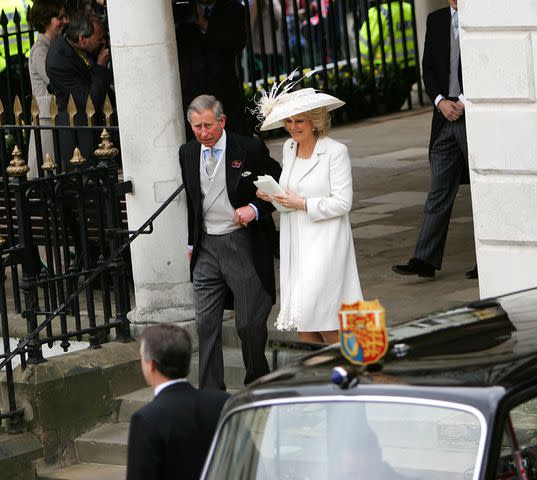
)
(17, 110)
(78, 158)
(34, 110)
(107, 110)
(90, 111)
(53, 110)
(48, 164)
(106, 147)
(17, 167)
(71, 110)
(1, 113)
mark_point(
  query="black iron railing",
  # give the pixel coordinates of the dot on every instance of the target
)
(365, 51)
(74, 213)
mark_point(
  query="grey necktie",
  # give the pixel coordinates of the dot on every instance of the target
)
(455, 24)
(210, 161)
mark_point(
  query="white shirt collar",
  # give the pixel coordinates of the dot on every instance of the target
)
(220, 145)
(453, 11)
(162, 386)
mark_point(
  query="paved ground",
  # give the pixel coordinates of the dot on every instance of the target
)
(391, 180)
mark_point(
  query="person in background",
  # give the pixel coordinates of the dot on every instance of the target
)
(448, 148)
(211, 34)
(76, 65)
(49, 18)
(170, 437)
(318, 271)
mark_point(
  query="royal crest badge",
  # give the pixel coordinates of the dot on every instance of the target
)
(363, 337)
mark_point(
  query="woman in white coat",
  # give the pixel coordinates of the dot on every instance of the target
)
(318, 271)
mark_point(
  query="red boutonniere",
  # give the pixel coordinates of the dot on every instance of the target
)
(236, 164)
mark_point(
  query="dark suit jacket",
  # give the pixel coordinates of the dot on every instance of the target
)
(207, 62)
(243, 154)
(170, 437)
(436, 62)
(69, 75)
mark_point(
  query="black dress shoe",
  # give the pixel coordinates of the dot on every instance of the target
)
(472, 273)
(415, 266)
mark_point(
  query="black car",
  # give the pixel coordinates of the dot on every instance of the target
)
(455, 397)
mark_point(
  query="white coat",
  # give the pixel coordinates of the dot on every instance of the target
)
(328, 271)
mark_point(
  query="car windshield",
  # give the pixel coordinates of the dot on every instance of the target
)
(349, 439)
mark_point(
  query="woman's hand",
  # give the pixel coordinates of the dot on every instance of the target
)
(291, 200)
(263, 196)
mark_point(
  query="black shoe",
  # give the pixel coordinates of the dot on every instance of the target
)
(415, 266)
(472, 273)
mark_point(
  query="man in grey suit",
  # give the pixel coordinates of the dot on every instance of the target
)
(230, 236)
(448, 150)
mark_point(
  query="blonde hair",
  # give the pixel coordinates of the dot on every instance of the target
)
(320, 120)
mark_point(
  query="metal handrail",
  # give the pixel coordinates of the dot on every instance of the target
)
(148, 223)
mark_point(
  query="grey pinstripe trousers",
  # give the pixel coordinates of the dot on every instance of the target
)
(448, 158)
(226, 262)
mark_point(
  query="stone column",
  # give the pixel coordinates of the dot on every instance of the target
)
(498, 48)
(146, 76)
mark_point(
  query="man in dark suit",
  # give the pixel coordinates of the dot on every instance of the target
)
(170, 437)
(448, 150)
(76, 65)
(230, 238)
(210, 37)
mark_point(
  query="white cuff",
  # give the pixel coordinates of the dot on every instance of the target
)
(255, 210)
(437, 100)
(462, 99)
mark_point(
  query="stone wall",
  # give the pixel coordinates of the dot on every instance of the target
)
(72, 393)
(498, 45)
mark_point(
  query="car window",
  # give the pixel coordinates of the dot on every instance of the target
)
(327, 440)
(518, 455)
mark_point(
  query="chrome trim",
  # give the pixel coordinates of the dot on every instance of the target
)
(359, 398)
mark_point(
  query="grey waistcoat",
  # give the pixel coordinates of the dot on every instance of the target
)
(218, 213)
(454, 54)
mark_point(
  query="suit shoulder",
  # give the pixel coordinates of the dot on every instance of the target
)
(247, 142)
(438, 14)
(335, 146)
(185, 147)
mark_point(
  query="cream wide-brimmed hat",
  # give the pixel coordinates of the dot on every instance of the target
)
(287, 104)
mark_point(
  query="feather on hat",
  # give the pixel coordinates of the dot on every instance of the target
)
(281, 103)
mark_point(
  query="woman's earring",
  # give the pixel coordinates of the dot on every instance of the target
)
(313, 129)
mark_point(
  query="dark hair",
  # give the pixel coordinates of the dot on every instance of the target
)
(43, 11)
(170, 347)
(81, 25)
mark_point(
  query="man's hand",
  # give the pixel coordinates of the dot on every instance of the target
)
(451, 110)
(244, 215)
(103, 57)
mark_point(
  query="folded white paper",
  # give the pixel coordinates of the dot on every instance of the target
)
(271, 187)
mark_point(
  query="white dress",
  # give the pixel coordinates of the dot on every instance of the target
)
(289, 316)
(318, 270)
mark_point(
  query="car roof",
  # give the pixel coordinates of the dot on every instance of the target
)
(487, 343)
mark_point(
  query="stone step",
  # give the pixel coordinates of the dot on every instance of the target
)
(106, 444)
(86, 471)
(126, 405)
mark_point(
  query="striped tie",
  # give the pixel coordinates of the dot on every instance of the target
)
(210, 161)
